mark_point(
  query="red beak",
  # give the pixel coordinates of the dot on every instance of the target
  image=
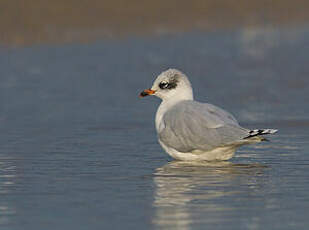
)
(147, 92)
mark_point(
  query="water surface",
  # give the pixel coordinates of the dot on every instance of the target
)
(79, 149)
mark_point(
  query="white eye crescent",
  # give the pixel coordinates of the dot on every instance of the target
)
(163, 85)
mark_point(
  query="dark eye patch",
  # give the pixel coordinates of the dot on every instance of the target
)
(163, 85)
(168, 85)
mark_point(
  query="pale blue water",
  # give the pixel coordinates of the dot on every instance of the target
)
(78, 148)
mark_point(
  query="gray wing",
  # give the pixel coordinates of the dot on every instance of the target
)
(190, 126)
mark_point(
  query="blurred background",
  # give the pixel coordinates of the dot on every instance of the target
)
(78, 148)
(41, 21)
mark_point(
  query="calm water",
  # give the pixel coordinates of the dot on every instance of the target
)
(79, 149)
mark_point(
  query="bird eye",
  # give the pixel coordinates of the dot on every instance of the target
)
(163, 85)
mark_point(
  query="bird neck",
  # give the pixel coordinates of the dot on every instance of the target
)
(172, 99)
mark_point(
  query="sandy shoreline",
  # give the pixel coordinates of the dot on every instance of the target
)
(42, 21)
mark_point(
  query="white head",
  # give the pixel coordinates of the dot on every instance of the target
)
(170, 85)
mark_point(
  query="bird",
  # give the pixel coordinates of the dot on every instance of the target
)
(189, 130)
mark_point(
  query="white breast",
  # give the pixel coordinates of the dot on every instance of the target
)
(159, 117)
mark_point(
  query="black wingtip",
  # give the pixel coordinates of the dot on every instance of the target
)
(259, 132)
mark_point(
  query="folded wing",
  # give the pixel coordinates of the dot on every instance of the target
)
(191, 125)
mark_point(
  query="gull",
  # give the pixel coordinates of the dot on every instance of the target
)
(193, 131)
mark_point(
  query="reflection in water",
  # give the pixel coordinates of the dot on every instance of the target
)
(7, 180)
(188, 193)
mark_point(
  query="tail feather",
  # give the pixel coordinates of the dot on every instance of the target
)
(258, 132)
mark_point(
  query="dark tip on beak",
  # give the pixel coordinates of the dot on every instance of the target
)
(143, 94)
(147, 92)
